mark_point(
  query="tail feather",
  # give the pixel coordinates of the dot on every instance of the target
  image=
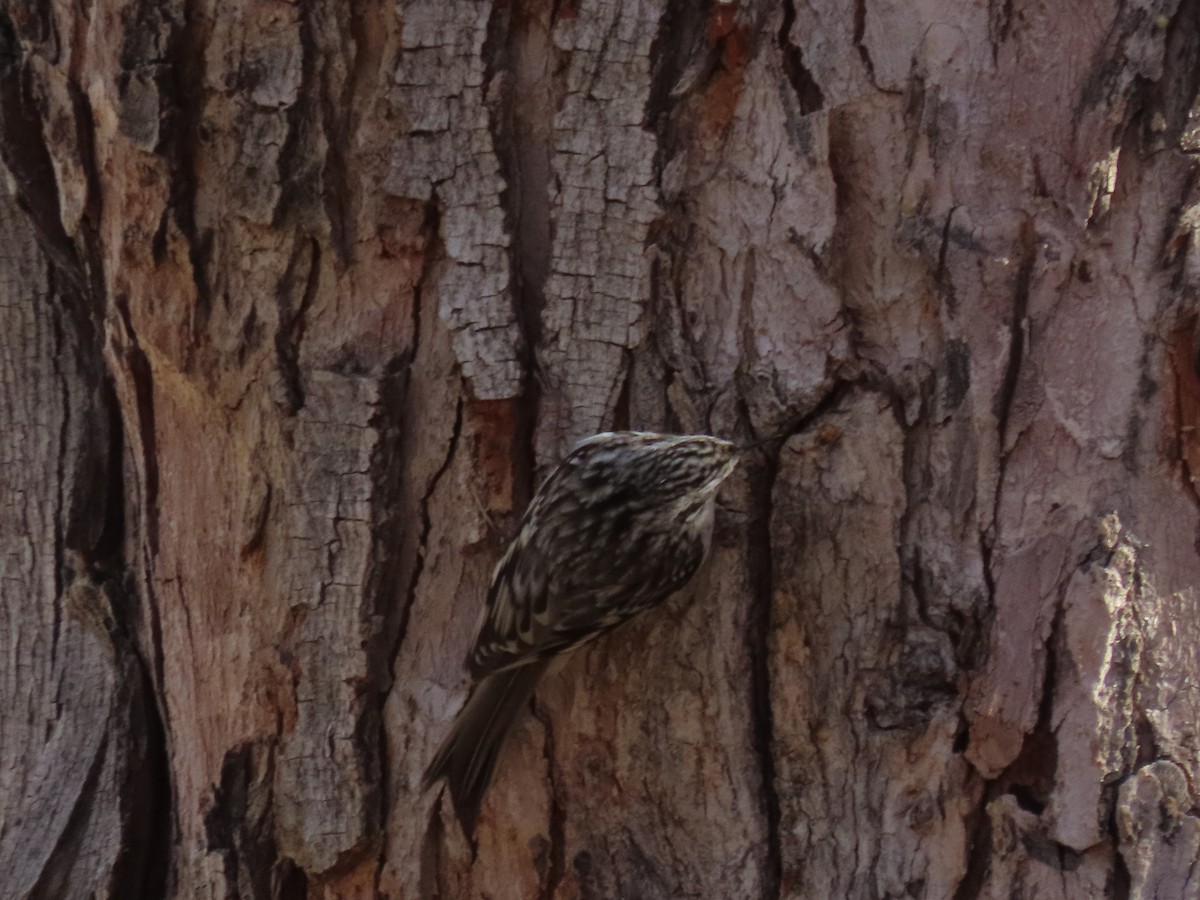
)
(467, 757)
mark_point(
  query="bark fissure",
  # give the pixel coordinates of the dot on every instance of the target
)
(142, 385)
(60, 462)
(978, 853)
(683, 57)
(944, 282)
(521, 124)
(152, 855)
(761, 562)
(1000, 19)
(808, 92)
(860, 30)
(521, 68)
(389, 529)
(1017, 327)
(426, 525)
(306, 252)
(89, 315)
(25, 152)
(183, 91)
(553, 876)
(339, 123)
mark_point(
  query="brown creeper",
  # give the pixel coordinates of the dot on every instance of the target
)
(622, 523)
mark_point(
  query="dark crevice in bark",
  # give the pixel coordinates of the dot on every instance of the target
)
(304, 198)
(1027, 250)
(425, 524)
(304, 267)
(25, 153)
(339, 121)
(144, 869)
(60, 459)
(431, 231)
(90, 319)
(807, 91)
(389, 531)
(680, 58)
(1120, 884)
(142, 377)
(402, 365)
(979, 853)
(990, 534)
(239, 825)
(1178, 235)
(146, 501)
(1118, 74)
(106, 478)
(621, 406)
(429, 884)
(415, 508)
(554, 863)
(1000, 18)
(180, 138)
(915, 478)
(920, 122)
(1175, 94)
(368, 30)
(291, 882)
(925, 594)
(521, 68)
(1030, 778)
(829, 400)
(942, 279)
(843, 254)
(860, 30)
(10, 44)
(760, 563)
(431, 849)
(1186, 414)
(1148, 366)
(1173, 97)
(987, 539)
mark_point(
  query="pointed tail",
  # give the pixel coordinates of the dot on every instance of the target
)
(468, 755)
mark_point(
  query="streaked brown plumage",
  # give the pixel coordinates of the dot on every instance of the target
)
(622, 523)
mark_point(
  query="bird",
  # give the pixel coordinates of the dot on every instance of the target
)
(622, 523)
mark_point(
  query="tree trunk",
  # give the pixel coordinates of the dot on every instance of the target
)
(299, 300)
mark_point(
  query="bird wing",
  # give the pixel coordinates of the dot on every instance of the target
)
(539, 605)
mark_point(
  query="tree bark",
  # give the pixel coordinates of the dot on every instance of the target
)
(299, 300)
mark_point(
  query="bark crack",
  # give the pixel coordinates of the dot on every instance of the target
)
(805, 86)
(558, 816)
(761, 563)
(1017, 335)
(64, 433)
(860, 30)
(521, 68)
(183, 91)
(292, 320)
(401, 631)
(426, 525)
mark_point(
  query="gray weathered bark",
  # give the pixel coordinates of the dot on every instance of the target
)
(298, 300)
